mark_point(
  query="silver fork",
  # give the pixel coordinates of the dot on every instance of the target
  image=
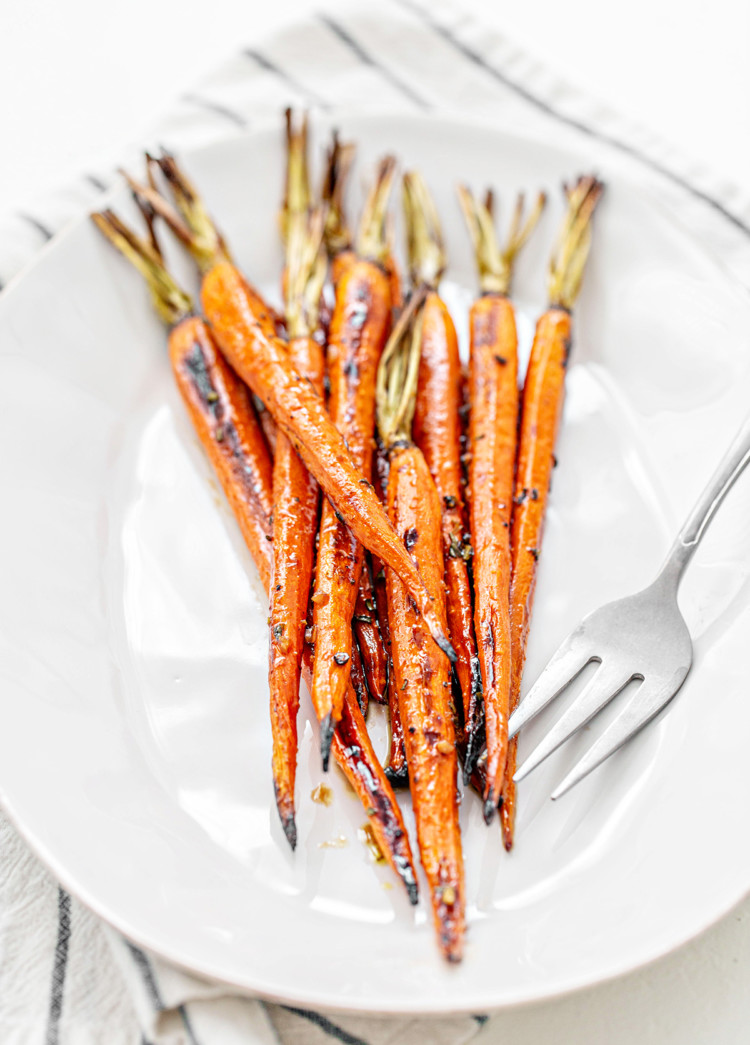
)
(642, 637)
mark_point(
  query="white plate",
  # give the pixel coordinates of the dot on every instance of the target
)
(135, 749)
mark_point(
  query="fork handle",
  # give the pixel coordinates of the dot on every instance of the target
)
(728, 471)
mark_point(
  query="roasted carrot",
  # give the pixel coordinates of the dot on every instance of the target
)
(493, 394)
(226, 424)
(437, 432)
(295, 492)
(339, 245)
(541, 410)
(395, 765)
(359, 329)
(244, 328)
(234, 459)
(369, 638)
(422, 672)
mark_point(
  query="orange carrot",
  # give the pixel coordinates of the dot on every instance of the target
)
(262, 362)
(541, 410)
(226, 424)
(370, 639)
(493, 394)
(358, 681)
(233, 460)
(338, 241)
(422, 672)
(358, 332)
(395, 765)
(437, 432)
(295, 492)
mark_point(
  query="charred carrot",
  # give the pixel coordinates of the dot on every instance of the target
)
(251, 502)
(338, 240)
(437, 432)
(395, 764)
(217, 401)
(369, 638)
(541, 410)
(493, 394)
(357, 336)
(244, 328)
(422, 672)
(295, 492)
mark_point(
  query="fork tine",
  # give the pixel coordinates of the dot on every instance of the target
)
(606, 684)
(567, 662)
(646, 703)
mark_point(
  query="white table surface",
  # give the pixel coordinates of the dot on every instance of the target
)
(79, 78)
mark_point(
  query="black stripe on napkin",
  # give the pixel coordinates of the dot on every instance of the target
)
(36, 224)
(477, 59)
(265, 63)
(215, 107)
(58, 971)
(188, 1025)
(367, 59)
(147, 975)
(332, 1029)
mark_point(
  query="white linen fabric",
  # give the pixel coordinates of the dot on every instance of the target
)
(65, 978)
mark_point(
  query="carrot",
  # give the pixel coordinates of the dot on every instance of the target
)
(493, 394)
(395, 765)
(437, 432)
(541, 410)
(357, 336)
(358, 681)
(422, 672)
(341, 253)
(226, 424)
(295, 492)
(234, 459)
(369, 638)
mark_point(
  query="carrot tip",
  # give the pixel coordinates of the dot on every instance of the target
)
(397, 777)
(290, 830)
(326, 738)
(406, 872)
(490, 808)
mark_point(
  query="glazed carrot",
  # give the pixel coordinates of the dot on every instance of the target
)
(295, 492)
(369, 638)
(338, 241)
(359, 329)
(395, 765)
(262, 362)
(351, 746)
(437, 432)
(357, 679)
(541, 410)
(493, 394)
(226, 424)
(422, 672)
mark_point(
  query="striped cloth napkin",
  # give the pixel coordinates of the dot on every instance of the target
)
(65, 978)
